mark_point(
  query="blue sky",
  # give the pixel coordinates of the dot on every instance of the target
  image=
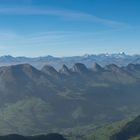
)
(69, 27)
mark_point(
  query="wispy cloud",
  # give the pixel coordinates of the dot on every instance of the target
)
(63, 13)
(43, 43)
(57, 43)
(54, 38)
(7, 36)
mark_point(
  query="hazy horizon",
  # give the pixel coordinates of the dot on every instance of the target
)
(81, 55)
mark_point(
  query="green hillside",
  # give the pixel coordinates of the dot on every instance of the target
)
(101, 133)
(130, 131)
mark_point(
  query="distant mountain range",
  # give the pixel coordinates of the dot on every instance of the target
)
(120, 59)
(34, 101)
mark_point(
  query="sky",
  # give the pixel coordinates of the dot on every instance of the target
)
(69, 27)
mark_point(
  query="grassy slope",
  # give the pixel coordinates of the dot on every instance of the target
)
(25, 117)
(102, 133)
(135, 138)
(30, 116)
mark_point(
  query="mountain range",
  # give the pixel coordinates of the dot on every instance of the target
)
(34, 101)
(120, 59)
